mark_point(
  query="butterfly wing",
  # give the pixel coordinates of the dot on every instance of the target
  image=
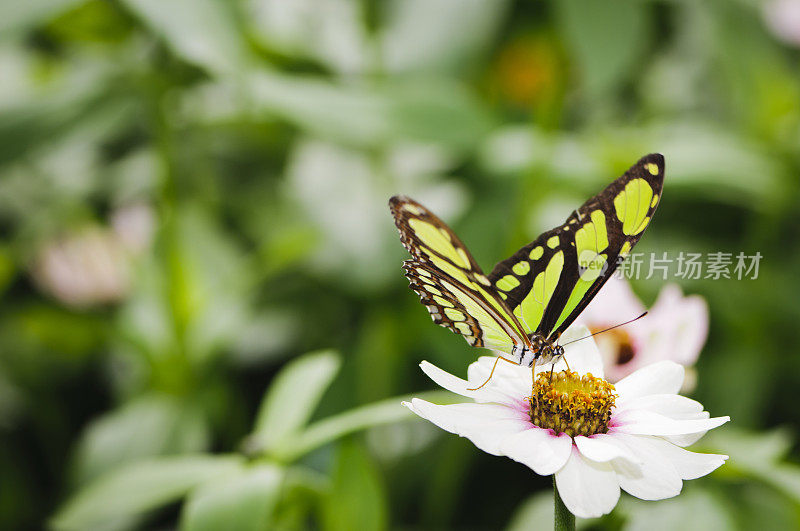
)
(460, 309)
(549, 282)
(450, 282)
(429, 239)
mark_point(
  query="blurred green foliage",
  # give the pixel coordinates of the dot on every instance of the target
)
(193, 194)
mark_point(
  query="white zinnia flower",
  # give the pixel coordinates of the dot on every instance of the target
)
(627, 436)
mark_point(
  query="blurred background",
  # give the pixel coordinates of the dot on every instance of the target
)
(204, 321)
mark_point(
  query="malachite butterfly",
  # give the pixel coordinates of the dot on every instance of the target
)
(529, 299)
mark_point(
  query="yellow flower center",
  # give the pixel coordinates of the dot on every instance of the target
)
(569, 403)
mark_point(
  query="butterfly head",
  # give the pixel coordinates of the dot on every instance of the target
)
(540, 351)
(550, 354)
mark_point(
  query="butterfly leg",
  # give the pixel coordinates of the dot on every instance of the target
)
(491, 373)
(553, 366)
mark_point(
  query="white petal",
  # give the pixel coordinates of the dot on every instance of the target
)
(588, 489)
(688, 438)
(509, 378)
(539, 449)
(574, 332)
(689, 465)
(598, 448)
(664, 377)
(456, 385)
(486, 425)
(673, 406)
(643, 422)
(685, 440)
(583, 356)
(656, 478)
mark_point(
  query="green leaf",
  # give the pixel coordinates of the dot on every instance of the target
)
(718, 163)
(148, 426)
(703, 160)
(244, 503)
(211, 281)
(604, 38)
(42, 120)
(750, 450)
(357, 498)
(328, 430)
(192, 299)
(693, 509)
(203, 32)
(22, 15)
(418, 35)
(784, 477)
(537, 512)
(301, 492)
(426, 111)
(755, 506)
(7, 268)
(140, 487)
(759, 455)
(293, 397)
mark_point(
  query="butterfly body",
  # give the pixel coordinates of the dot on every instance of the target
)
(523, 355)
(544, 351)
(528, 300)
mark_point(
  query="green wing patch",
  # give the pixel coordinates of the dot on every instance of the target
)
(431, 241)
(567, 265)
(440, 255)
(460, 309)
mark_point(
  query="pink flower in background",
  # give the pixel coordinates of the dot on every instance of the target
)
(84, 268)
(675, 328)
(134, 225)
(783, 20)
(93, 265)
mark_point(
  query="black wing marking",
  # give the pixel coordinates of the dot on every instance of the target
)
(651, 169)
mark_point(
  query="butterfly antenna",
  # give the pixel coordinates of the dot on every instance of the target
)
(491, 373)
(606, 330)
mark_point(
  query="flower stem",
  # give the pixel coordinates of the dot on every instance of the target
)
(564, 520)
